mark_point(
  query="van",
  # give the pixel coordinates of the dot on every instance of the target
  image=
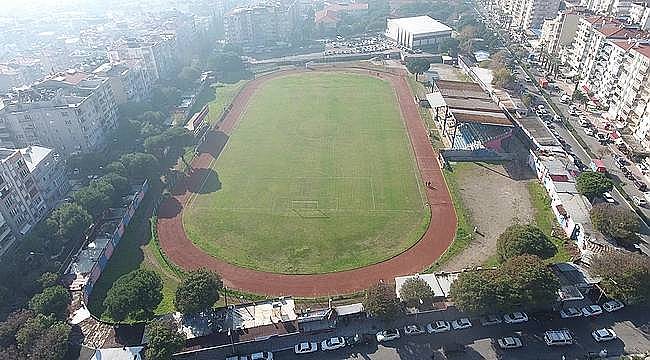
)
(558, 337)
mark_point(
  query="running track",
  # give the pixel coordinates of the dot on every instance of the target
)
(179, 249)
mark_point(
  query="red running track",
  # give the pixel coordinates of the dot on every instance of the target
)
(439, 235)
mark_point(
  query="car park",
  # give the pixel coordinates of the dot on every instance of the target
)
(414, 329)
(332, 343)
(488, 320)
(461, 324)
(612, 305)
(603, 334)
(570, 312)
(608, 197)
(387, 335)
(515, 318)
(438, 327)
(592, 310)
(305, 348)
(558, 337)
(510, 342)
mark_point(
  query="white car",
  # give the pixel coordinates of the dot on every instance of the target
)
(461, 324)
(515, 318)
(332, 343)
(589, 131)
(592, 310)
(388, 335)
(613, 305)
(488, 320)
(305, 348)
(603, 335)
(639, 201)
(262, 355)
(438, 327)
(413, 330)
(570, 312)
(510, 342)
(608, 198)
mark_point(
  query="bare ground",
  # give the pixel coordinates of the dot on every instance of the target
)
(495, 198)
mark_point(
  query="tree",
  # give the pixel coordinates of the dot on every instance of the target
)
(527, 99)
(51, 343)
(188, 76)
(140, 165)
(415, 290)
(580, 97)
(593, 184)
(616, 222)
(502, 78)
(153, 117)
(623, 275)
(51, 301)
(71, 220)
(169, 145)
(164, 97)
(524, 239)
(198, 291)
(418, 66)
(521, 282)
(449, 46)
(95, 198)
(119, 183)
(134, 295)
(228, 64)
(380, 301)
(164, 340)
(48, 279)
(116, 167)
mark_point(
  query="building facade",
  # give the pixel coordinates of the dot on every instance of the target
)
(48, 172)
(518, 15)
(129, 84)
(261, 24)
(640, 14)
(419, 32)
(155, 54)
(559, 32)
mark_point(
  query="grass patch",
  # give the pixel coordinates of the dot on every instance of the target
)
(464, 229)
(318, 177)
(220, 97)
(545, 220)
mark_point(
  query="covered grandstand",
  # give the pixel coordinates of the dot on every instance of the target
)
(467, 117)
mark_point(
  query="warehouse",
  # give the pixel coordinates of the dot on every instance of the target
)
(418, 32)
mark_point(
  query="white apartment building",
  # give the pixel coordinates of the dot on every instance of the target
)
(129, 84)
(524, 14)
(608, 7)
(49, 173)
(155, 54)
(559, 32)
(261, 24)
(69, 112)
(640, 14)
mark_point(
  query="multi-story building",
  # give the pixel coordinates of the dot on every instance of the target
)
(127, 83)
(518, 15)
(69, 112)
(640, 14)
(10, 77)
(49, 173)
(608, 7)
(559, 32)
(261, 24)
(155, 54)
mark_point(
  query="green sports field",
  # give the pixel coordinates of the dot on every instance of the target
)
(319, 176)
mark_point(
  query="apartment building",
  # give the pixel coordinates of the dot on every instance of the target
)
(48, 172)
(155, 54)
(640, 14)
(128, 83)
(518, 15)
(69, 112)
(559, 32)
(261, 24)
(608, 7)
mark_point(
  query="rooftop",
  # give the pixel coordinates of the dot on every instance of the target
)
(420, 24)
(34, 154)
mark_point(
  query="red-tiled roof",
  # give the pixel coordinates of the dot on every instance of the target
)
(643, 49)
(623, 44)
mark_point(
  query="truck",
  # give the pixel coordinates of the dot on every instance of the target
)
(598, 165)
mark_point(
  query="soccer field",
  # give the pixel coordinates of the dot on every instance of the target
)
(318, 177)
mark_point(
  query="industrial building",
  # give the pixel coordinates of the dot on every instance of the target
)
(419, 32)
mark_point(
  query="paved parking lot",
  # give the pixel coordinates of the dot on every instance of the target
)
(363, 45)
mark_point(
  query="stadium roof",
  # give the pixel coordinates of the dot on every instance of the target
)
(420, 25)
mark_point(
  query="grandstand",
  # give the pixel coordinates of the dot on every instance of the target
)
(467, 117)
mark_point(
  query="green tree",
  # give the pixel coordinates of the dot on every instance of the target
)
(593, 184)
(415, 291)
(120, 186)
(502, 78)
(169, 145)
(449, 46)
(164, 340)
(418, 66)
(52, 343)
(188, 76)
(198, 291)
(580, 97)
(524, 239)
(134, 295)
(527, 99)
(48, 279)
(51, 301)
(380, 302)
(165, 97)
(95, 198)
(476, 292)
(116, 167)
(70, 221)
(616, 222)
(623, 275)
(140, 165)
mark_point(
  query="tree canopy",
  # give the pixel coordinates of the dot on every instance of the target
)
(593, 184)
(134, 295)
(524, 239)
(624, 275)
(95, 198)
(140, 165)
(25, 334)
(198, 291)
(503, 78)
(617, 222)
(414, 291)
(380, 302)
(53, 300)
(522, 282)
(164, 340)
(69, 221)
(418, 66)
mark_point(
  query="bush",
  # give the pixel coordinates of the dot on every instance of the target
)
(524, 239)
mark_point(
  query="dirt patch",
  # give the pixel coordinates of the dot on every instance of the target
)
(495, 197)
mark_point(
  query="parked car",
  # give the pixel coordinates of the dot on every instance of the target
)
(414, 329)
(263, 355)
(305, 348)
(387, 335)
(461, 324)
(515, 318)
(604, 334)
(565, 99)
(488, 320)
(570, 312)
(558, 337)
(639, 201)
(608, 198)
(438, 327)
(592, 310)
(640, 185)
(589, 131)
(332, 343)
(510, 342)
(613, 305)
